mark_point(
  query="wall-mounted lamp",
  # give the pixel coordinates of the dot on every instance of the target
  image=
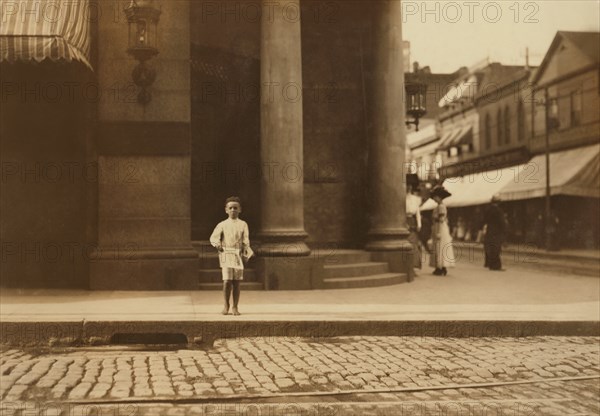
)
(415, 102)
(142, 18)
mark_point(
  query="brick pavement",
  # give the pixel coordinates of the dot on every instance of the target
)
(267, 366)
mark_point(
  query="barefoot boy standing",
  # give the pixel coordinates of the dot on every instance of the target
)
(231, 238)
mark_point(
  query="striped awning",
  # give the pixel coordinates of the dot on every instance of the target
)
(574, 172)
(35, 30)
(477, 188)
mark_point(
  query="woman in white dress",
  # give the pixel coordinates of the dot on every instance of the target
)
(413, 217)
(442, 254)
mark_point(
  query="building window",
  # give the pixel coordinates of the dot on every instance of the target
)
(576, 108)
(506, 125)
(553, 106)
(488, 132)
(539, 114)
(553, 122)
(499, 128)
(520, 122)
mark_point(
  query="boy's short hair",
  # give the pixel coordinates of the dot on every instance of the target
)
(233, 199)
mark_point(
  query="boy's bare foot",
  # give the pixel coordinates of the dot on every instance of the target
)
(235, 311)
(225, 310)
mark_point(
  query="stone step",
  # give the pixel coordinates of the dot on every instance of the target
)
(208, 261)
(385, 279)
(333, 256)
(355, 269)
(209, 258)
(215, 276)
(244, 286)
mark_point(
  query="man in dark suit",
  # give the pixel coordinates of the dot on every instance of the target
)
(495, 231)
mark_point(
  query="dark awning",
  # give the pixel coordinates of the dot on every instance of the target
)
(45, 29)
(574, 172)
(465, 137)
(456, 138)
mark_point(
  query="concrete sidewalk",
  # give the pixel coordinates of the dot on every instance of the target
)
(528, 256)
(469, 292)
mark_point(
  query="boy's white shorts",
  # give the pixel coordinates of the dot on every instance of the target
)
(232, 274)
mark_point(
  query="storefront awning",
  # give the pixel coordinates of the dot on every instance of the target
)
(447, 138)
(457, 138)
(465, 137)
(476, 188)
(45, 29)
(573, 172)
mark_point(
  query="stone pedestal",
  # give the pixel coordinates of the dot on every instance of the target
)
(291, 273)
(144, 209)
(399, 260)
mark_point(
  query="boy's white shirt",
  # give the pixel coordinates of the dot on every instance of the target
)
(233, 236)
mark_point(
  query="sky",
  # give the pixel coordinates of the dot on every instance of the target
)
(446, 35)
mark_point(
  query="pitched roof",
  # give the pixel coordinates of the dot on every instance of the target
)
(587, 42)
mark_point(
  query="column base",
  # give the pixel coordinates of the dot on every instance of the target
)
(291, 273)
(400, 260)
(387, 240)
(150, 269)
(283, 244)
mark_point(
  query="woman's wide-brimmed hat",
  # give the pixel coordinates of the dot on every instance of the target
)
(440, 191)
(412, 181)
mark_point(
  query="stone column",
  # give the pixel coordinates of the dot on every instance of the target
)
(387, 230)
(282, 185)
(283, 262)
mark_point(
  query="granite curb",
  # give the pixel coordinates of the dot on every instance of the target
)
(199, 334)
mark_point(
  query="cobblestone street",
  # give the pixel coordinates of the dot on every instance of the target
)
(433, 372)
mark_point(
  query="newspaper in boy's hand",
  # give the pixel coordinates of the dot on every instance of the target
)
(247, 254)
(230, 257)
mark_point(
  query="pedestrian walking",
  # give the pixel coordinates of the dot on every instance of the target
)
(231, 238)
(494, 226)
(442, 253)
(413, 217)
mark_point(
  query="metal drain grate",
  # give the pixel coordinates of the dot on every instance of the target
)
(149, 339)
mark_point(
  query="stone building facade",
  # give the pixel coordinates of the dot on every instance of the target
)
(297, 107)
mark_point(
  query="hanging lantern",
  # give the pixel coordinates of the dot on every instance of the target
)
(143, 17)
(416, 94)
